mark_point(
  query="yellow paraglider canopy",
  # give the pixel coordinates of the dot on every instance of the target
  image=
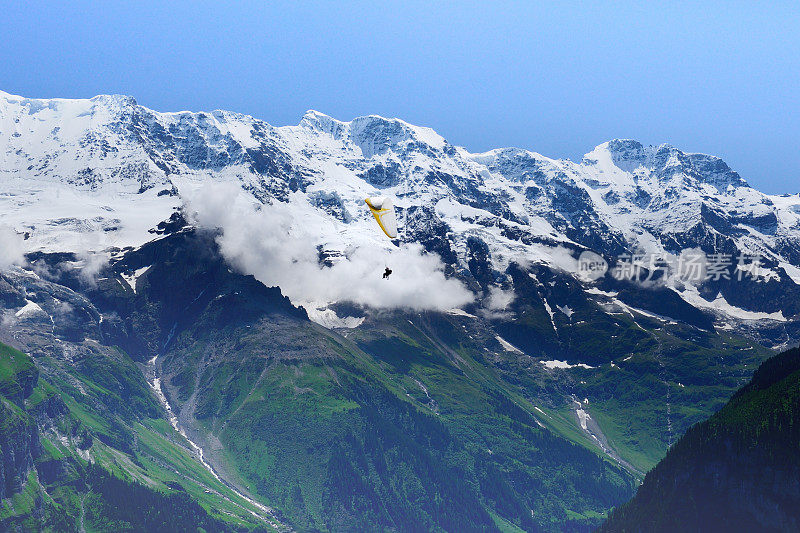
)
(382, 209)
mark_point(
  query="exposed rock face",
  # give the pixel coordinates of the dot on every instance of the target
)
(19, 436)
(19, 444)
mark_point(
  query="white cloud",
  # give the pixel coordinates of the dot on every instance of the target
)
(90, 265)
(271, 243)
(496, 303)
(12, 249)
(7, 319)
(564, 259)
(498, 299)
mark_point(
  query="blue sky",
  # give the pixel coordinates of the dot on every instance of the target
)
(558, 78)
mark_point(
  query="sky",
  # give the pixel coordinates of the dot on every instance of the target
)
(558, 78)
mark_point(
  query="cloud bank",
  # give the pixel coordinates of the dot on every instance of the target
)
(12, 249)
(271, 243)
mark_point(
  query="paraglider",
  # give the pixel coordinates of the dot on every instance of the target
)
(382, 209)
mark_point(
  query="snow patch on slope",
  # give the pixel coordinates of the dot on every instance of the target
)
(29, 309)
(507, 346)
(721, 305)
(550, 365)
(131, 279)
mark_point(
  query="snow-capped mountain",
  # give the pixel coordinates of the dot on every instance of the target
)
(487, 330)
(89, 175)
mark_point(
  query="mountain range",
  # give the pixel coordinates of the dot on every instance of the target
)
(201, 293)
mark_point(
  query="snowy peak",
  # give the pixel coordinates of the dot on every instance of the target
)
(100, 107)
(517, 164)
(665, 163)
(373, 134)
(626, 154)
(115, 100)
(716, 172)
(321, 123)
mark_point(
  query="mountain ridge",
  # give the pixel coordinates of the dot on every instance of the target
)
(109, 154)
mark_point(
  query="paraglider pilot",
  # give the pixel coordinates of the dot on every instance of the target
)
(382, 209)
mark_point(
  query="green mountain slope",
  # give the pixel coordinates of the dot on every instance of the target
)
(387, 428)
(411, 421)
(46, 481)
(289, 410)
(737, 471)
(651, 376)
